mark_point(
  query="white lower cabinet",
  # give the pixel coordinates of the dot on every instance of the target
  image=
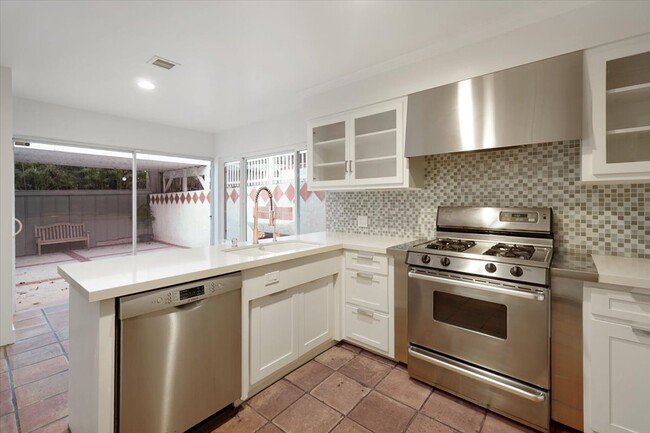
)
(368, 301)
(366, 326)
(367, 290)
(288, 324)
(274, 336)
(616, 322)
(620, 370)
(317, 314)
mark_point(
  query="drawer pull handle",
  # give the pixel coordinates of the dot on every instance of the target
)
(365, 276)
(365, 312)
(520, 390)
(366, 256)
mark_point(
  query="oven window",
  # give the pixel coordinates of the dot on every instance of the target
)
(481, 316)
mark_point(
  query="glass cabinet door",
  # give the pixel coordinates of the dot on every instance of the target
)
(628, 109)
(377, 155)
(329, 163)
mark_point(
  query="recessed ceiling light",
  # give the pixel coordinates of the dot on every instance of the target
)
(146, 84)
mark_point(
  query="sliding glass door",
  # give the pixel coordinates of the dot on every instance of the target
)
(80, 204)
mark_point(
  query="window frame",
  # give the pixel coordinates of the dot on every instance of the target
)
(243, 183)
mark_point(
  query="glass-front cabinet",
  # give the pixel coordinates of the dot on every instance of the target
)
(616, 147)
(329, 161)
(360, 149)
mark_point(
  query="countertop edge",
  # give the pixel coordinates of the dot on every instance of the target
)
(623, 271)
(374, 244)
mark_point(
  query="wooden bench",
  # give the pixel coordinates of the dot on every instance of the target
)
(61, 233)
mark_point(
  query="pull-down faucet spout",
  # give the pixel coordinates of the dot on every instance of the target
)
(257, 235)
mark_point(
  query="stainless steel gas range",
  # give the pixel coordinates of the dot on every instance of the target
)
(479, 309)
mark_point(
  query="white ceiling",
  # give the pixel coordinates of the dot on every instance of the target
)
(242, 62)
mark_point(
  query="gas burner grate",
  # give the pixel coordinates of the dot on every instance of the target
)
(523, 252)
(444, 244)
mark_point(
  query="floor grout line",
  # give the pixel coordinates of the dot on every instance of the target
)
(55, 335)
(56, 420)
(42, 378)
(12, 389)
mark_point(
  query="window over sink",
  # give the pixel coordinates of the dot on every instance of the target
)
(298, 210)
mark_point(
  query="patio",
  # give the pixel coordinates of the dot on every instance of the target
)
(38, 285)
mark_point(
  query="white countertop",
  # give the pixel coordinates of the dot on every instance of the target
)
(111, 278)
(624, 271)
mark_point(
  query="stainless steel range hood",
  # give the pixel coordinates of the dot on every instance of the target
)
(534, 103)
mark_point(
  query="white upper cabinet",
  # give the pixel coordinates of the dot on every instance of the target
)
(616, 146)
(361, 149)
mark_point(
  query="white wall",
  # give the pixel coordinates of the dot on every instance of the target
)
(34, 119)
(185, 223)
(288, 131)
(6, 210)
(595, 24)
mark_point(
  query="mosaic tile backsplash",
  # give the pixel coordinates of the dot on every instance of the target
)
(606, 219)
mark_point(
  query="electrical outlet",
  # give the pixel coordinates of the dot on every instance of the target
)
(362, 220)
(272, 278)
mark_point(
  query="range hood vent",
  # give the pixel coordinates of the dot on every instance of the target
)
(534, 103)
(162, 63)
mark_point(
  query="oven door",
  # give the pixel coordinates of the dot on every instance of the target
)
(492, 324)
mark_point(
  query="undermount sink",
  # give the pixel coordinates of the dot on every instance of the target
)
(271, 248)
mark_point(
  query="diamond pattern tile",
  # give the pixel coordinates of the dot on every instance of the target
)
(304, 192)
(290, 192)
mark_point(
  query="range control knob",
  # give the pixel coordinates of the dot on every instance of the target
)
(516, 271)
(490, 267)
(445, 261)
(426, 259)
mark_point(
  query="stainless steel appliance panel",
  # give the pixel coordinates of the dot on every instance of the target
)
(179, 362)
(522, 220)
(533, 103)
(490, 324)
(514, 399)
(566, 351)
(401, 304)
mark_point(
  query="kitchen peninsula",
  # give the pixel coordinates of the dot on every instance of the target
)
(268, 269)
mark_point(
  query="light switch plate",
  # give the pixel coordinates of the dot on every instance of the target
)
(272, 277)
(362, 220)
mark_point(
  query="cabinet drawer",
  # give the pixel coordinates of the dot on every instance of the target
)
(367, 289)
(619, 305)
(368, 262)
(366, 327)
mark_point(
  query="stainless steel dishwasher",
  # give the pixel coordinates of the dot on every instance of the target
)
(179, 354)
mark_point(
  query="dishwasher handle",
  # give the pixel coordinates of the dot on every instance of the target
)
(191, 306)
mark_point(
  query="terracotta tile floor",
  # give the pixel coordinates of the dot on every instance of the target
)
(343, 390)
(34, 373)
(349, 390)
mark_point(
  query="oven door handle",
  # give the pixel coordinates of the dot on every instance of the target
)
(533, 396)
(535, 296)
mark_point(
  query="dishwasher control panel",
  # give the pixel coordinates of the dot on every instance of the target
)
(178, 295)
